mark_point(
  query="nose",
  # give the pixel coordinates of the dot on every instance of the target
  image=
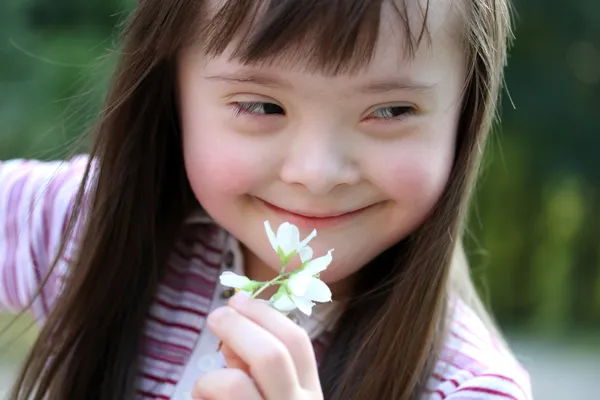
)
(319, 162)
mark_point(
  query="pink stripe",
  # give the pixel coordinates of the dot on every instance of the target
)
(208, 281)
(36, 245)
(197, 241)
(11, 282)
(189, 280)
(50, 205)
(35, 258)
(468, 330)
(166, 358)
(39, 279)
(188, 256)
(152, 395)
(504, 378)
(160, 368)
(158, 379)
(457, 366)
(167, 346)
(69, 211)
(165, 293)
(199, 257)
(179, 285)
(169, 324)
(450, 356)
(493, 392)
(56, 184)
(464, 340)
(48, 209)
(165, 304)
(195, 267)
(443, 379)
(159, 330)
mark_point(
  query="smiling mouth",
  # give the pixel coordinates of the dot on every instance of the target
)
(311, 219)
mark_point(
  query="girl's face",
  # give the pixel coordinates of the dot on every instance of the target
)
(362, 158)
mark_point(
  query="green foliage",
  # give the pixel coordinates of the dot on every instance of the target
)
(534, 233)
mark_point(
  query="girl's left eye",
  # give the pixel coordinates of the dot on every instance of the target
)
(392, 112)
(257, 108)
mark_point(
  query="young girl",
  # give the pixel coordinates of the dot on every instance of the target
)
(363, 119)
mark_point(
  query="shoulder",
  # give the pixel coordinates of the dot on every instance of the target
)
(36, 201)
(39, 181)
(473, 364)
(36, 195)
(44, 169)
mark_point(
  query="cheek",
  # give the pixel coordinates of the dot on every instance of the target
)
(421, 181)
(217, 172)
(417, 177)
(216, 164)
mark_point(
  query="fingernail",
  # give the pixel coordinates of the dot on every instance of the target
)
(239, 299)
(216, 315)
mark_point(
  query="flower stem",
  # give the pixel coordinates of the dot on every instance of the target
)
(283, 265)
(267, 284)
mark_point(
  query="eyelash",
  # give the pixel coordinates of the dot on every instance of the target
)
(407, 111)
(250, 108)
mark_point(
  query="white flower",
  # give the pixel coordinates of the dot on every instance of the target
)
(303, 287)
(299, 289)
(240, 282)
(317, 265)
(287, 241)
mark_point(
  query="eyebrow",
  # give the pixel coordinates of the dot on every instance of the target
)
(375, 87)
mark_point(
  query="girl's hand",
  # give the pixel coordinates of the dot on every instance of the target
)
(268, 356)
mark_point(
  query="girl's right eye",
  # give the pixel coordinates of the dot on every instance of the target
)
(257, 108)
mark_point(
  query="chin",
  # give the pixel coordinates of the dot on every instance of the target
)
(333, 275)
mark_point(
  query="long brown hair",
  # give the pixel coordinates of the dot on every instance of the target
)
(138, 196)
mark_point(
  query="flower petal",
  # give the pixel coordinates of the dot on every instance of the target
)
(288, 237)
(318, 291)
(271, 236)
(284, 303)
(298, 283)
(233, 280)
(306, 254)
(309, 238)
(319, 264)
(303, 304)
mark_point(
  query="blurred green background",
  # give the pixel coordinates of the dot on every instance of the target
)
(534, 233)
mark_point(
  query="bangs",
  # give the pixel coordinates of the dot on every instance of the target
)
(329, 36)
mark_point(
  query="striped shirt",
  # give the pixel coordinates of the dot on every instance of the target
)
(36, 199)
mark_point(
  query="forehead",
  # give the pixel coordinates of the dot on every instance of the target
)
(321, 35)
(427, 40)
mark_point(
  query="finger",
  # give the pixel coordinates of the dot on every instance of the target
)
(269, 360)
(225, 384)
(295, 339)
(232, 360)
